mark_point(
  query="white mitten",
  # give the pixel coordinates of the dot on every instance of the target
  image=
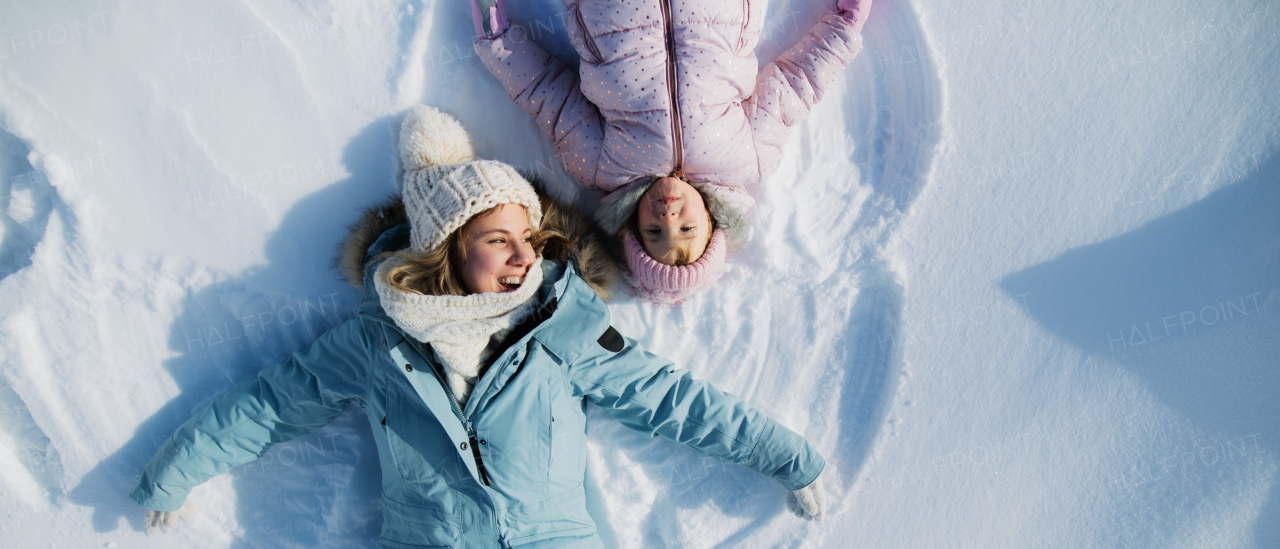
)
(809, 502)
(164, 520)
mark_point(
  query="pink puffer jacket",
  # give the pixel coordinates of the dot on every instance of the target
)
(670, 87)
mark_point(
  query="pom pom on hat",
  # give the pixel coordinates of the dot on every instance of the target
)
(445, 185)
(669, 285)
(429, 137)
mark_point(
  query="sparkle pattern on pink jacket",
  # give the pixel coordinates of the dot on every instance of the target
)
(612, 122)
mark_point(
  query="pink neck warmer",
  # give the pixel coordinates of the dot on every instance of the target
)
(667, 285)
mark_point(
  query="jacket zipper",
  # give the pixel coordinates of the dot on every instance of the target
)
(453, 400)
(586, 38)
(673, 86)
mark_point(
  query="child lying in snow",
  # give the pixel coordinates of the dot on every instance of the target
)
(669, 116)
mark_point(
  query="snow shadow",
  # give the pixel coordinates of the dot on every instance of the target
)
(34, 469)
(408, 26)
(895, 107)
(904, 102)
(874, 352)
(1189, 303)
(26, 199)
(41, 473)
(320, 490)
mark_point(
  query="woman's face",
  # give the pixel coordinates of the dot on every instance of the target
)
(672, 214)
(498, 250)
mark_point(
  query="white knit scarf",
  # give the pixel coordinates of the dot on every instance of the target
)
(461, 328)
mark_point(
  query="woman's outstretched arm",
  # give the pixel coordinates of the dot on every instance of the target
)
(281, 403)
(649, 394)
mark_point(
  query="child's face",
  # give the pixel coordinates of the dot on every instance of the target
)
(673, 215)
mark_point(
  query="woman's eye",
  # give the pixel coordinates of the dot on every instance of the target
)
(498, 241)
(685, 229)
(654, 232)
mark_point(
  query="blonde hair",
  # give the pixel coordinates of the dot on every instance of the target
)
(681, 253)
(439, 271)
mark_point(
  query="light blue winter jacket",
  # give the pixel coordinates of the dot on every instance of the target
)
(507, 469)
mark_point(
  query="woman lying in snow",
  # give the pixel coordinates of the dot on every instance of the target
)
(480, 340)
(669, 116)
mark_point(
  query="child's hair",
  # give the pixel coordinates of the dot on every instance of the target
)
(680, 255)
(439, 271)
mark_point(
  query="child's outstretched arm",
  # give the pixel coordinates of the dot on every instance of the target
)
(787, 88)
(545, 89)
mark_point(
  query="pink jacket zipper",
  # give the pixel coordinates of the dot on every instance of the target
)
(673, 87)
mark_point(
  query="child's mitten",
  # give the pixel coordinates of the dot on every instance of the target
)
(854, 11)
(809, 502)
(493, 12)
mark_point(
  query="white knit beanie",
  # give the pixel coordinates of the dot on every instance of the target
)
(445, 184)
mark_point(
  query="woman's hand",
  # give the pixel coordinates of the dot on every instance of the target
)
(164, 520)
(854, 11)
(160, 519)
(810, 502)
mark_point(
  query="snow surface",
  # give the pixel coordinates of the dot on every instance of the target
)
(1018, 276)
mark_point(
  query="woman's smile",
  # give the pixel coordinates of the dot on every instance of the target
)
(511, 283)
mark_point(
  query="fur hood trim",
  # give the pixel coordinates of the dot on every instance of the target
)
(734, 222)
(617, 207)
(597, 260)
(374, 221)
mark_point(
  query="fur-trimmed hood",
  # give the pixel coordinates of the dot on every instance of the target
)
(726, 209)
(596, 259)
